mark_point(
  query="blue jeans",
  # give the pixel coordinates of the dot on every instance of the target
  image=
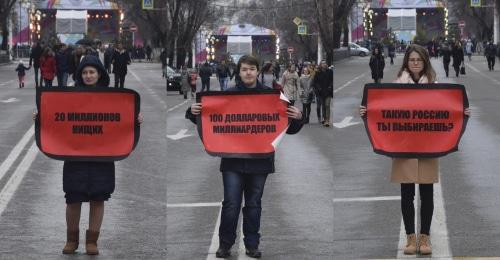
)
(235, 185)
(223, 83)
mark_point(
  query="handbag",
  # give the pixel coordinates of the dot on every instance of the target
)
(462, 70)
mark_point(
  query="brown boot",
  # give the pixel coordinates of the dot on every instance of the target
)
(91, 242)
(72, 239)
(424, 244)
(411, 244)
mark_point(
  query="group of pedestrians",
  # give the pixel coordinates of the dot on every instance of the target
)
(60, 61)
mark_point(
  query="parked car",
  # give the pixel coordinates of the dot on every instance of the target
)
(174, 79)
(357, 50)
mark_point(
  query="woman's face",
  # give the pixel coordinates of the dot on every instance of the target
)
(90, 76)
(415, 63)
(375, 51)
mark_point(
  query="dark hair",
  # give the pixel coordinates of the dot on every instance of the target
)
(267, 66)
(247, 59)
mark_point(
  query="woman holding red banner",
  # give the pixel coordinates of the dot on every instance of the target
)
(242, 176)
(416, 69)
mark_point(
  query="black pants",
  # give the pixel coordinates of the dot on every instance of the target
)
(426, 207)
(205, 83)
(491, 63)
(306, 111)
(457, 69)
(119, 79)
(446, 67)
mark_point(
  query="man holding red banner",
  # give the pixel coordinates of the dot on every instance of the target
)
(244, 176)
(416, 69)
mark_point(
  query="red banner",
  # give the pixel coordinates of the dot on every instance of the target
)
(97, 124)
(242, 124)
(415, 121)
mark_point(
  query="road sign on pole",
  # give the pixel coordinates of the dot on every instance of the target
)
(133, 28)
(297, 20)
(461, 24)
(290, 49)
(302, 29)
(475, 3)
(147, 4)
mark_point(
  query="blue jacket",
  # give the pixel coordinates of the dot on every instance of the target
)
(251, 166)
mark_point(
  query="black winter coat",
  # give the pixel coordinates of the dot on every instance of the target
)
(323, 83)
(458, 56)
(250, 166)
(205, 72)
(377, 65)
(85, 181)
(446, 55)
(490, 51)
(35, 55)
(120, 62)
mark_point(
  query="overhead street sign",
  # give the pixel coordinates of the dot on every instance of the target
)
(133, 28)
(147, 4)
(297, 20)
(475, 3)
(290, 49)
(302, 29)
(461, 24)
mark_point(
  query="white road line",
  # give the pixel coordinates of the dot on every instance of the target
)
(349, 82)
(383, 198)
(16, 151)
(151, 92)
(13, 183)
(177, 106)
(482, 74)
(193, 205)
(241, 246)
(215, 239)
(7, 82)
(439, 229)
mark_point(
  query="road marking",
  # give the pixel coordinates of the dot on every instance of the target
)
(16, 151)
(10, 100)
(13, 183)
(482, 74)
(181, 134)
(151, 92)
(346, 122)
(177, 106)
(349, 82)
(193, 205)
(439, 230)
(7, 82)
(383, 198)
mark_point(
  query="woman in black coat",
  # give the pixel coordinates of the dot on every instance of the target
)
(87, 181)
(458, 57)
(377, 65)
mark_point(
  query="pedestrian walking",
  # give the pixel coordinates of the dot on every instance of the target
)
(446, 52)
(75, 61)
(63, 58)
(416, 69)
(377, 65)
(468, 49)
(392, 52)
(163, 60)
(48, 66)
(490, 52)
(223, 75)
(120, 61)
(185, 81)
(36, 54)
(458, 57)
(243, 177)
(108, 55)
(205, 74)
(267, 75)
(306, 93)
(277, 70)
(290, 83)
(21, 72)
(323, 85)
(149, 51)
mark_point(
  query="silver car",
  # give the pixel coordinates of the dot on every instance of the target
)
(357, 50)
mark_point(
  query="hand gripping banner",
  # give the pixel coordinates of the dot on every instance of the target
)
(415, 120)
(246, 124)
(81, 124)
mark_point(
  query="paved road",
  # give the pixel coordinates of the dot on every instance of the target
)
(367, 218)
(297, 212)
(32, 205)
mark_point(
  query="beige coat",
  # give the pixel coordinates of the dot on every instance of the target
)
(417, 170)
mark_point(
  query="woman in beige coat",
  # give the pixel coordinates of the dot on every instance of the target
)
(416, 69)
(290, 83)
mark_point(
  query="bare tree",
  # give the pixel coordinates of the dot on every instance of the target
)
(5, 10)
(479, 20)
(326, 22)
(341, 10)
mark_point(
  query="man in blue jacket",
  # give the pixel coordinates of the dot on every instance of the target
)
(244, 176)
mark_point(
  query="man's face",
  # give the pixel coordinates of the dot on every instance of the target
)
(248, 74)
